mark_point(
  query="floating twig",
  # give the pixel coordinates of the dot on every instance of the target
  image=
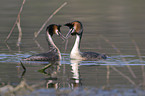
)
(18, 17)
(66, 43)
(43, 69)
(108, 41)
(37, 33)
(24, 70)
(20, 33)
(139, 55)
(133, 83)
(23, 84)
(108, 74)
(23, 66)
(9, 48)
(38, 45)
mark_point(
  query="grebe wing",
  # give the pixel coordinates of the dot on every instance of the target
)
(50, 56)
(93, 55)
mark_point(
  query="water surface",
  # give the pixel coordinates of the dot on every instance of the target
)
(112, 27)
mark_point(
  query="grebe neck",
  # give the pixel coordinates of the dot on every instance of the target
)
(75, 52)
(51, 44)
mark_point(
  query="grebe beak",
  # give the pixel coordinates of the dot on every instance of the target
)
(59, 33)
(70, 31)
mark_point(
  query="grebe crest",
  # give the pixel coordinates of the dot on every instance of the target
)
(76, 29)
(53, 54)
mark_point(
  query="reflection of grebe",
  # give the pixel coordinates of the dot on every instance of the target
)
(54, 53)
(75, 71)
(76, 28)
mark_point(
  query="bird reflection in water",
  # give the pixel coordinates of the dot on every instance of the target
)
(51, 70)
(76, 74)
(57, 77)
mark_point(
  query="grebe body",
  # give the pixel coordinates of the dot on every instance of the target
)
(53, 54)
(76, 29)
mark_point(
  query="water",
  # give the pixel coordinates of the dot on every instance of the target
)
(112, 27)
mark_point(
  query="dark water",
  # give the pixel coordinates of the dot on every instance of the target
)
(113, 27)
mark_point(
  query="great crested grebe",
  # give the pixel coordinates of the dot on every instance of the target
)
(76, 28)
(53, 54)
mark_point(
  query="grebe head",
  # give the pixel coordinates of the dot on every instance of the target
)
(54, 29)
(76, 28)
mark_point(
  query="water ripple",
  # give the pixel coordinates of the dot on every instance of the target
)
(113, 60)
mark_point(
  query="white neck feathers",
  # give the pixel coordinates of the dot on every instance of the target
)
(51, 43)
(75, 52)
